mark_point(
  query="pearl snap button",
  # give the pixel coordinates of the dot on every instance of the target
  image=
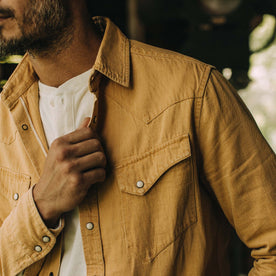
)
(89, 225)
(46, 239)
(38, 248)
(16, 196)
(140, 184)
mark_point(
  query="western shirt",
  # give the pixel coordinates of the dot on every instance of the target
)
(186, 163)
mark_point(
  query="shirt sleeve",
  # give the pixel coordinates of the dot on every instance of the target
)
(24, 238)
(239, 168)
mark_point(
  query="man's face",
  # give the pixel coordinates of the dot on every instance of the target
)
(32, 25)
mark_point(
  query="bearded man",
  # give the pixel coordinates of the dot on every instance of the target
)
(119, 158)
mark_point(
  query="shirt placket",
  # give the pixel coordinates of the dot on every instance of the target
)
(91, 234)
(89, 209)
(94, 88)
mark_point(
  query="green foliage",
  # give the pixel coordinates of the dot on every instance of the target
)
(260, 95)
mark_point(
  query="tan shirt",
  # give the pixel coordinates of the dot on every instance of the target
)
(185, 161)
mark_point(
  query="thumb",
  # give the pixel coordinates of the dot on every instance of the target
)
(85, 122)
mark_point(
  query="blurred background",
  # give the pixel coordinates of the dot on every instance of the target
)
(237, 36)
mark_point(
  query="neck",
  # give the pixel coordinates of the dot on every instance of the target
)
(58, 66)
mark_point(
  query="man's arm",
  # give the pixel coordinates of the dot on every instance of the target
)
(74, 163)
(21, 237)
(239, 167)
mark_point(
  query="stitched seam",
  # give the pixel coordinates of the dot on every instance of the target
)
(172, 56)
(157, 114)
(185, 228)
(32, 127)
(135, 118)
(9, 140)
(201, 103)
(16, 95)
(146, 154)
(152, 182)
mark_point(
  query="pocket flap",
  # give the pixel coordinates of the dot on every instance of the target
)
(138, 174)
(13, 183)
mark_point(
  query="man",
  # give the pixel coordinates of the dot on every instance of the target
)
(150, 182)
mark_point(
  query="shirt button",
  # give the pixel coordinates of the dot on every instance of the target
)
(140, 184)
(38, 248)
(16, 196)
(90, 226)
(46, 239)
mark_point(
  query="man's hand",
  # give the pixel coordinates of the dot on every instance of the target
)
(74, 163)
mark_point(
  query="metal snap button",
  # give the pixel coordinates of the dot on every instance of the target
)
(90, 226)
(46, 239)
(38, 248)
(16, 196)
(140, 184)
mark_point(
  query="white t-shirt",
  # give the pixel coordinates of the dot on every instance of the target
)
(62, 110)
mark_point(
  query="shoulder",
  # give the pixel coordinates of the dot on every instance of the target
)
(159, 54)
(169, 68)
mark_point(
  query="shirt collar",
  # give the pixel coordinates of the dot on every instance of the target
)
(113, 61)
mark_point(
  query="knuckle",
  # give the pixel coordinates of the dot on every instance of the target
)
(62, 153)
(56, 143)
(76, 179)
(69, 166)
(96, 144)
(101, 158)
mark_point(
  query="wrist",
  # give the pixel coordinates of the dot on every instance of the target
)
(47, 214)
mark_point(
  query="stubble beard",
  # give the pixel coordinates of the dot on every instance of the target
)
(45, 29)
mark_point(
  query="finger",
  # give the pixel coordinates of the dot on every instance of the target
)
(84, 123)
(79, 135)
(93, 177)
(86, 147)
(90, 162)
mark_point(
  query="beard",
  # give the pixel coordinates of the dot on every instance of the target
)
(44, 27)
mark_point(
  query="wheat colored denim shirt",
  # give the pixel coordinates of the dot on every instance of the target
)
(186, 162)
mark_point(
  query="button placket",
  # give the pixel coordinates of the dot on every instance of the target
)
(94, 88)
(89, 218)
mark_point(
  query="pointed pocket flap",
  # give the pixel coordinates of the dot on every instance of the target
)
(138, 174)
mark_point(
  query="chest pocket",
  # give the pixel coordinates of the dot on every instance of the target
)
(13, 186)
(157, 195)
